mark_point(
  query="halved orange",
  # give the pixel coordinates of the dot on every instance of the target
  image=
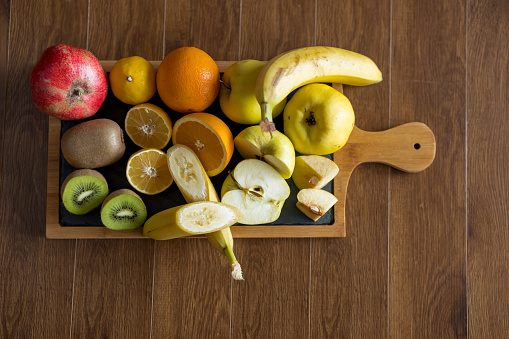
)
(209, 137)
(147, 171)
(148, 126)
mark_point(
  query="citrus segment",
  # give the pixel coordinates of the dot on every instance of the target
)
(209, 137)
(148, 126)
(133, 80)
(147, 171)
(188, 80)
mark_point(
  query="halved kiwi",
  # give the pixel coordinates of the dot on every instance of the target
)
(83, 190)
(123, 210)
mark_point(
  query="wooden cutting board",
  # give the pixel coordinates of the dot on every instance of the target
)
(409, 147)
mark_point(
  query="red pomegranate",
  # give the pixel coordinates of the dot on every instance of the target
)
(68, 83)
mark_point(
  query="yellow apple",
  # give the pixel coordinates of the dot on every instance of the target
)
(257, 190)
(276, 149)
(237, 93)
(318, 119)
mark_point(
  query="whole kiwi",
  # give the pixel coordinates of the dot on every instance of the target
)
(93, 144)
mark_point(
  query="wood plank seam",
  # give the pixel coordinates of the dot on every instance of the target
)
(466, 170)
(388, 267)
(4, 104)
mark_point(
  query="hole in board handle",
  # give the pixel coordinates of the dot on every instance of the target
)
(417, 146)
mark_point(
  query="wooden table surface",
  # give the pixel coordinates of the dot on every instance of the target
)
(425, 254)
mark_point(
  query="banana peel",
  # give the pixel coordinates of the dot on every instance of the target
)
(195, 185)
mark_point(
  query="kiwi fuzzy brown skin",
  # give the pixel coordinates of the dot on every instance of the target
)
(93, 144)
(78, 173)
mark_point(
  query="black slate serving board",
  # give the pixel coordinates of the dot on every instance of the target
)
(115, 175)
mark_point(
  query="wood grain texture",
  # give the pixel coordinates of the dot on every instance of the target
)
(349, 276)
(272, 27)
(273, 302)
(123, 28)
(192, 290)
(4, 57)
(427, 294)
(212, 26)
(488, 185)
(37, 274)
(117, 301)
(192, 286)
(113, 289)
(407, 262)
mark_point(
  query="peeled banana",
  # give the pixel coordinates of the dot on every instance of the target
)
(189, 174)
(195, 185)
(196, 218)
(302, 66)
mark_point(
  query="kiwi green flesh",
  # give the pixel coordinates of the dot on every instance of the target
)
(84, 193)
(123, 212)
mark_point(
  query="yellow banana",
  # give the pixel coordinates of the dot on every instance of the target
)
(196, 218)
(302, 66)
(223, 242)
(195, 185)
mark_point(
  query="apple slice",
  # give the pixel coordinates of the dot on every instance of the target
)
(313, 171)
(277, 150)
(315, 202)
(257, 190)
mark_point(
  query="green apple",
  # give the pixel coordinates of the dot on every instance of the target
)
(237, 93)
(257, 190)
(313, 171)
(315, 202)
(277, 150)
(318, 119)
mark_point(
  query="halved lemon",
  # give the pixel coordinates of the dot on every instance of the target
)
(148, 126)
(209, 137)
(147, 171)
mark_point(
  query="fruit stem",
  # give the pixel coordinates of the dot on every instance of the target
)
(235, 266)
(266, 124)
(224, 84)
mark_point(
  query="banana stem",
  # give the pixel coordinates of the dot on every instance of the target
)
(266, 124)
(236, 269)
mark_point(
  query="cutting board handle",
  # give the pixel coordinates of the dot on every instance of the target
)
(409, 147)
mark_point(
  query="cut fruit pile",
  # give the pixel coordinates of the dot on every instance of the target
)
(317, 120)
(195, 185)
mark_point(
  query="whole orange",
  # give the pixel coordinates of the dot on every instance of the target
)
(188, 80)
